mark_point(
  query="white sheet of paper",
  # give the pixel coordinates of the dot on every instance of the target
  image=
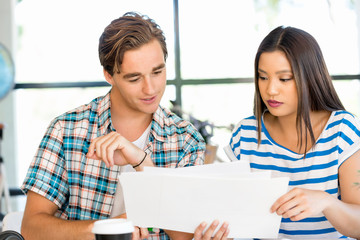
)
(207, 169)
(181, 202)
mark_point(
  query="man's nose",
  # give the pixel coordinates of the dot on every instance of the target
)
(148, 85)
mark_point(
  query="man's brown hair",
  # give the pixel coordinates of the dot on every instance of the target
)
(131, 31)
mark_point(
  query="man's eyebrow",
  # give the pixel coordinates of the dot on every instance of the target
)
(131, 75)
(162, 65)
(136, 74)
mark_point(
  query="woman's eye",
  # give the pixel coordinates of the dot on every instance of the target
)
(262, 78)
(285, 79)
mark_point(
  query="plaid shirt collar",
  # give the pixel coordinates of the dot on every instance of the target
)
(158, 129)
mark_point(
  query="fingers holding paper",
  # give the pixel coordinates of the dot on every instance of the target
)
(211, 233)
(140, 233)
(300, 203)
(114, 149)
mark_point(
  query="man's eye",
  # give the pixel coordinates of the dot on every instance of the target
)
(158, 72)
(134, 80)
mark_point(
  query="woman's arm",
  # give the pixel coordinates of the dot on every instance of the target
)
(343, 214)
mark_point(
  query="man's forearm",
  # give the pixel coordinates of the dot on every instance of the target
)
(179, 235)
(44, 227)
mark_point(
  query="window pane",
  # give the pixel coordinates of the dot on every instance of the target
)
(221, 40)
(349, 94)
(220, 105)
(58, 39)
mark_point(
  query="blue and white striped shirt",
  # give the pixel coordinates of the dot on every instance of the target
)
(338, 141)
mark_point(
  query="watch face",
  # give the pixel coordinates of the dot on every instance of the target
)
(7, 71)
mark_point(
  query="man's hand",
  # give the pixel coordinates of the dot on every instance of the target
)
(114, 149)
(140, 233)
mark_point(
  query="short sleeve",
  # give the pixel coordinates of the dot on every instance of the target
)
(47, 172)
(233, 149)
(349, 137)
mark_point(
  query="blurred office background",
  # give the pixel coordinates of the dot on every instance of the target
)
(211, 46)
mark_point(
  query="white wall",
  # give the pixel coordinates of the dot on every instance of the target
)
(7, 104)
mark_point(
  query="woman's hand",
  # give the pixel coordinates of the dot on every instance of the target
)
(300, 203)
(222, 233)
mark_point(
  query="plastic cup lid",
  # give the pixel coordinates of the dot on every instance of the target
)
(113, 226)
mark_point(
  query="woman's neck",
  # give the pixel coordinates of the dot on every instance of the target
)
(285, 131)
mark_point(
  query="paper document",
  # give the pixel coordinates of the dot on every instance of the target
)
(181, 200)
(207, 169)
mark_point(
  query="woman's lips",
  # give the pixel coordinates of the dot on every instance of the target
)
(274, 104)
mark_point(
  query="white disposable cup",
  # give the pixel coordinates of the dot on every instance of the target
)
(113, 229)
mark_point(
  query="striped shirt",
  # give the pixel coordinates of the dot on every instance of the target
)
(338, 141)
(84, 188)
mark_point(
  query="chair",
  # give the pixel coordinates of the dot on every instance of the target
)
(12, 221)
(11, 235)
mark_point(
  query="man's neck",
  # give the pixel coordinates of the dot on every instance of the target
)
(131, 128)
(130, 125)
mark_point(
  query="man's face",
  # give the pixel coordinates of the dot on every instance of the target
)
(140, 85)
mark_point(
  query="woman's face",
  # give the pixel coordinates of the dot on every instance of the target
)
(277, 84)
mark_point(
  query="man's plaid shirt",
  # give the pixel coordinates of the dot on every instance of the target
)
(84, 188)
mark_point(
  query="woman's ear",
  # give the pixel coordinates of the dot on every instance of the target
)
(108, 77)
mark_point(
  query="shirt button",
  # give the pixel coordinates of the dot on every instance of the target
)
(112, 192)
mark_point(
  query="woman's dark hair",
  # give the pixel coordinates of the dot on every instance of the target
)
(131, 31)
(313, 82)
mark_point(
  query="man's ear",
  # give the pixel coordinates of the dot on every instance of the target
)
(108, 77)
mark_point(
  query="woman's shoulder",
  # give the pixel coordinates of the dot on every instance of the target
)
(344, 123)
(248, 123)
(340, 117)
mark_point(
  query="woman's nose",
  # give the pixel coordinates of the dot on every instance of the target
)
(272, 87)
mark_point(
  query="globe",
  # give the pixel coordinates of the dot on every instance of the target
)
(7, 71)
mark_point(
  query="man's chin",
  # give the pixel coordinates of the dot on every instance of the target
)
(151, 110)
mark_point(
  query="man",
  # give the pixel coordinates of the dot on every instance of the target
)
(73, 178)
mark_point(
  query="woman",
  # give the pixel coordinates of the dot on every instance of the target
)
(301, 130)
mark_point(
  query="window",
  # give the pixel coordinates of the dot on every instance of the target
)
(219, 40)
(212, 76)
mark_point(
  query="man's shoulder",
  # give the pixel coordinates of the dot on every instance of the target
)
(170, 128)
(170, 119)
(171, 122)
(83, 111)
(87, 114)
